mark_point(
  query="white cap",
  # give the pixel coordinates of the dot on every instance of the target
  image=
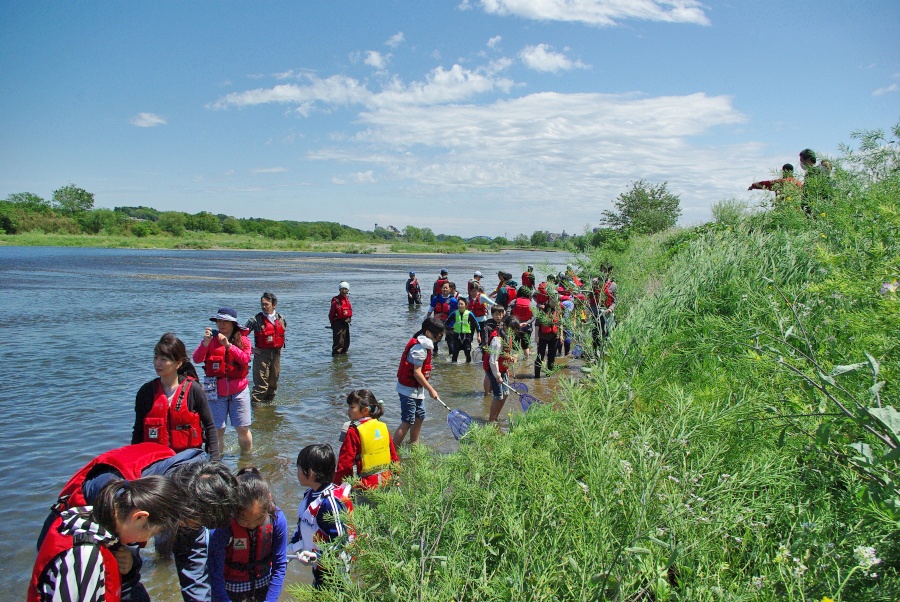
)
(345, 285)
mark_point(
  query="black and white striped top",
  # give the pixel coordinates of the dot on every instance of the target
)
(77, 574)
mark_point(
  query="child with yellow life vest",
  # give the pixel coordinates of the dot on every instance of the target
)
(319, 519)
(248, 558)
(366, 443)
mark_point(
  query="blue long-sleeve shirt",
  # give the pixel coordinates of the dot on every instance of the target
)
(218, 542)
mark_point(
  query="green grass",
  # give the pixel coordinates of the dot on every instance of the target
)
(708, 458)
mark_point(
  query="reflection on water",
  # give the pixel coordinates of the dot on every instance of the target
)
(81, 325)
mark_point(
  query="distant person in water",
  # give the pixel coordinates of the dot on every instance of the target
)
(268, 328)
(786, 188)
(413, 290)
(339, 315)
(439, 284)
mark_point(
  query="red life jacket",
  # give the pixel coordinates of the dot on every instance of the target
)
(54, 545)
(442, 309)
(128, 461)
(565, 296)
(503, 360)
(272, 335)
(216, 364)
(608, 293)
(521, 309)
(405, 373)
(344, 309)
(478, 307)
(438, 285)
(541, 296)
(511, 290)
(528, 279)
(249, 553)
(553, 327)
(414, 286)
(173, 424)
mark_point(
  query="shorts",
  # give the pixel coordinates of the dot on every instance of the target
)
(236, 407)
(411, 409)
(496, 387)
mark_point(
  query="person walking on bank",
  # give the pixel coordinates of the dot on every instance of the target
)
(413, 290)
(340, 315)
(268, 339)
(225, 355)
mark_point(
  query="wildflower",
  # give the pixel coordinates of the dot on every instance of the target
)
(661, 531)
(614, 435)
(823, 214)
(584, 487)
(889, 287)
(798, 570)
(866, 558)
(760, 582)
(671, 478)
(626, 467)
(724, 477)
(826, 598)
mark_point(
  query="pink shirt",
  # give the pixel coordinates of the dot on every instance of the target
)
(227, 386)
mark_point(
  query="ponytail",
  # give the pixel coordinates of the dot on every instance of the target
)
(364, 398)
(156, 495)
(253, 488)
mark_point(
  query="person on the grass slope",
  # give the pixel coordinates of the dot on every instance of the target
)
(786, 188)
(268, 328)
(225, 354)
(340, 315)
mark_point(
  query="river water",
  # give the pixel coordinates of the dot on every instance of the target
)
(81, 325)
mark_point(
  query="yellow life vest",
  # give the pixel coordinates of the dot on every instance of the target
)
(375, 441)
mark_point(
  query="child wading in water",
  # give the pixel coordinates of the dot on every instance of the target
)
(497, 360)
(412, 379)
(247, 559)
(365, 442)
(461, 327)
(319, 515)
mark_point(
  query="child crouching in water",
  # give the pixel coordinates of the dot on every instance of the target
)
(365, 442)
(247, 559)
(319, 515)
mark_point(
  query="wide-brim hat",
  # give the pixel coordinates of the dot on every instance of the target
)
(225, 313)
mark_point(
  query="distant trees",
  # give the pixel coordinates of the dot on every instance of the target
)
(172, 222)
(538, 239)
(71, 199)
(644, 209)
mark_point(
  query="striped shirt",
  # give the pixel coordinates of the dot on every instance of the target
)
(77, 574)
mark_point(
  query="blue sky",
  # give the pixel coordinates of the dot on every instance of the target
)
(468, 117)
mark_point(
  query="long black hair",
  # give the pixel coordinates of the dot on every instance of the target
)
(172, 348)
(157, 495)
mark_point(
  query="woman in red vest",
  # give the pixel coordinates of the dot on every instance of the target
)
(172, 409)
(225, 354)
(83, 556)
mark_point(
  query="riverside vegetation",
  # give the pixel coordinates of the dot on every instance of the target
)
(735, 439)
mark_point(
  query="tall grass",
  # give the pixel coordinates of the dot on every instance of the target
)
(707, 458)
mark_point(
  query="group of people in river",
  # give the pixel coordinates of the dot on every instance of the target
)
(229, 538)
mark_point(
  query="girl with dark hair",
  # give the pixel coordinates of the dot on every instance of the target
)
(83, 556)
(247, 559)
(225, 354)
(365, 442)
(412, 378)
(496, 362)
(172, 409)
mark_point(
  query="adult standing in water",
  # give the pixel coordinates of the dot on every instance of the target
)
(172, 409)
(340, 315)
(413, 290)
(225, 354)
(268, 328)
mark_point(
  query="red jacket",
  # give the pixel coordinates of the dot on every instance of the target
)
(340, 309)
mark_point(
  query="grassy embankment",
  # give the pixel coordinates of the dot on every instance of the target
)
(211, 241)
(693, 464)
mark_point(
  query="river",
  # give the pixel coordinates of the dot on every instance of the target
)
(81, 325)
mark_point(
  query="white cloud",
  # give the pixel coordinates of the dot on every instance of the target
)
(598, 12)
(376, 59)
(147, 120)
(284, 75)
(541, 58)
(395, 40)
(891, 88)
(492, 43)
(456, 84)
(267, 170)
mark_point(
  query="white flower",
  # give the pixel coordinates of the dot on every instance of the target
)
(758, 582)
(866, 558)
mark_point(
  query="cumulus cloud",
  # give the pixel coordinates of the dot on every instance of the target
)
(542, 58)
(492, 43)
(267, 170)
(597, 12)
(147, 120)
(881, 91)
(376, 59)
(395, 40)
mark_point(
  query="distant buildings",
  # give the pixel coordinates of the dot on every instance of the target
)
(390, 229)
